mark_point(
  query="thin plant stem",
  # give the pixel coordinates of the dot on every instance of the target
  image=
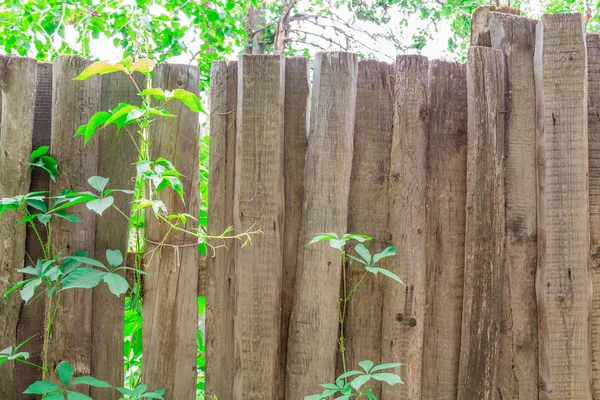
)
(30, 363)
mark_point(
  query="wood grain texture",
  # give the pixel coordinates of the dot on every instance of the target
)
(402, 341)
(75, 102)
(445, 198)
(31, 317)
(170, 322)
(313, 331)
(297, 95)
(564, 287)
(480, 23)
(484, 238)
(117, 155)
(593, 51)
(18, 82)
(518, 369)
(259, 203)
(368, 208)
(220, 300)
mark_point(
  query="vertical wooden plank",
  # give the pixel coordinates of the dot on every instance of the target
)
(518, 369)
(484, 240)
(368, 208)
(593, 56)
(31, 317)
(403, 306)
(480, 23)
(259, 203)
(445, 198)
(74, 104)
(170, 293)
(313, 332)
(221, 263)
(18, 87)
(564, 287)
(117, 155)
(297, 91)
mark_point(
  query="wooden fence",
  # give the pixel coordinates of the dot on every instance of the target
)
(484, 175)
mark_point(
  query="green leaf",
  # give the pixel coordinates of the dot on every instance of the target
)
(321, 237)
(366, 365)
(17, 286)
(84, 278)
(38, 205)
(337, 244)
(357, 259)
(157, 93)
(385, 366)
(388, 252)
(40, 151)
(69, 217)
(388, 273)
(100, 205)
(54, 396)
(390, 379)
(100, 68)
(116, 283)
(359, 381)
(65, 372)
(363, 252)
(189, 99)
(41, 387)
(29, 289)
(88, 130)
(125, 391)
(88, 380)
(114, 257)
(83, 259)
(98, 183)
(356, 236)
(139, 390)
(349, 374)
(157, 394)
(143, 65)
(126, 62)
(212, 16)
(77, 396)
(119, 113)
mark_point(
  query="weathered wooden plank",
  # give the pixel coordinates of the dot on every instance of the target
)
(593, 50)
(259, 202)
(518, 369)
(74, 104)
(480, 23)
(368, 208)
(314, 321)
(170, 301)
(402, 341)
(445, 198)
(18, 78)
(484, 239)
(117, 155)
(564, 291)
(31, 317)
(221, 263)
(297, 91)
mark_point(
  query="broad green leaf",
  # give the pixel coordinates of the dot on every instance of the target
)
(44, 219)
(348, 374)
(135, 114)
(313, 397)
(157, 93)
(385, 366)
(126, 62)
(356, 236)
(100, 68)
(98, 183)
(88, 130)
(157, 394)
(143, 65)
(7, 351)
(84, 278)
(357, 259)
(54, 396)
(125, 391)
(116, 283)
(69, 217)
(38, 205)
(212, 16)
(88, 380)
(64, 372)
(50, 165)
(359, 381)
(41, 387)
(366, 365)
(329, 386)
(114, 257)
(80, 258)
(363, 252)
(337, 244)
(120, 113)
(321, 237)
(17, 286)
(69, 265)
(189, 99)
(139, 390)
(40, 151)
(160, 113)
(386, 272)
(388, 252)
(31, 270)
(29, 289)
(390, 379)
(100, 205)
(77, 396)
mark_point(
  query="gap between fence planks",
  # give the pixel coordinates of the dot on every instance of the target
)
(593, 51)
(403, 306)
(259, 203)
(313, 330)
(170, 319)
(564, 287)
(445, 228)
(368, 209)
(18, 83)
(220, 269)
(484, 237)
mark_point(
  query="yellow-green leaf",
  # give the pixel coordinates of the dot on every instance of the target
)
(143, 65)
(100, 68)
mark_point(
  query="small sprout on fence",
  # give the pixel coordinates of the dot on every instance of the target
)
(139, 392)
